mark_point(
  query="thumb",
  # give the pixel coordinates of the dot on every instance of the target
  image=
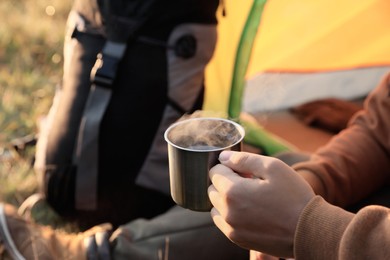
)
(245, 164)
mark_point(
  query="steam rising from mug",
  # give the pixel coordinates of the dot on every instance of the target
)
(193, 148)
(204, 134)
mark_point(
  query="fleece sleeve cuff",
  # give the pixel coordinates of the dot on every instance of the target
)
(319, 230)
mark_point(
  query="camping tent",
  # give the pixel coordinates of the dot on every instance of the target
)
(311, 48)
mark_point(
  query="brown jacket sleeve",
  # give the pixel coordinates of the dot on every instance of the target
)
(355, 162)
(328, 232)
(352, 165)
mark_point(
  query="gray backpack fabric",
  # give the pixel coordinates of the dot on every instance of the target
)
(175, 235)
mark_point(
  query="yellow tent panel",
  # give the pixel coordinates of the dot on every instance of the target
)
(219, 70)
(300, 36)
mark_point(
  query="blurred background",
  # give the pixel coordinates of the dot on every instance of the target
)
(31, 43)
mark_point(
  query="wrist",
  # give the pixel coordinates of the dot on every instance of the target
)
(313, 181)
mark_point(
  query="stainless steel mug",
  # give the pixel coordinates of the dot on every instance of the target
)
(194, 145)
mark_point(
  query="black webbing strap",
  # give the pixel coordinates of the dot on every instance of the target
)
(102, 77)
(119, 31)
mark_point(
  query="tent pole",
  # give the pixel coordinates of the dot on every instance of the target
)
(244, 51)
(255, 134)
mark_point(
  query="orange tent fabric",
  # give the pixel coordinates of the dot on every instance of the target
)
(300, 36)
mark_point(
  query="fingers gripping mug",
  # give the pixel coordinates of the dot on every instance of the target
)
(193, 148)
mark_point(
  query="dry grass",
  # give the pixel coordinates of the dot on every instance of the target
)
(32, 33)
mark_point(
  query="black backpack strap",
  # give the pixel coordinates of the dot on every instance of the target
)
(120, 30)
(102, 77)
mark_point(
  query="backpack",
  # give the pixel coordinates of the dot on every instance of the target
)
(131, 68)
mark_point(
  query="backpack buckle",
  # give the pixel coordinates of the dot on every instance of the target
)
(104, 71)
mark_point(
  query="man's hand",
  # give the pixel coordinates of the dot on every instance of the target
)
(257, 201)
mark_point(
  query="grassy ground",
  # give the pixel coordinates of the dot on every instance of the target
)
(31, 42)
